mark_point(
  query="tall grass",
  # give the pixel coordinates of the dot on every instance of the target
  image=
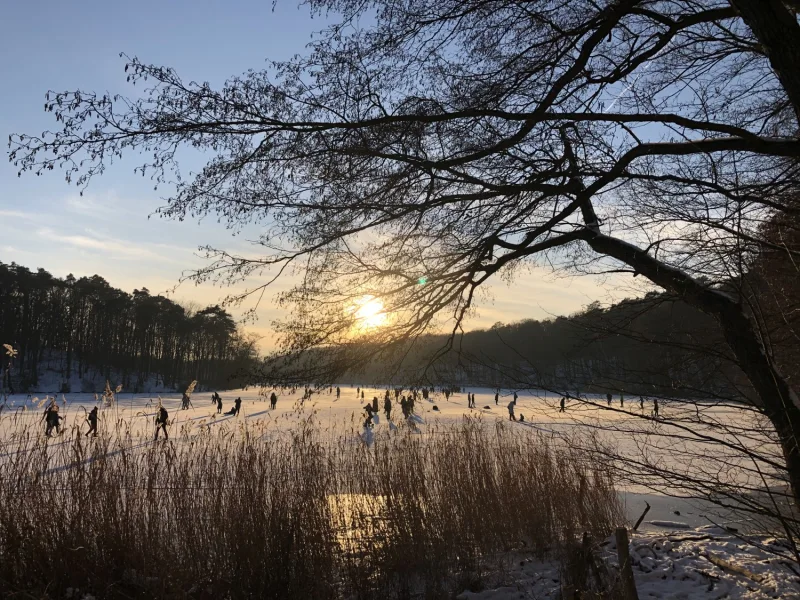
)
(308, 513)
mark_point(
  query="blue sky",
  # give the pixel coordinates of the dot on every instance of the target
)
(45, 223)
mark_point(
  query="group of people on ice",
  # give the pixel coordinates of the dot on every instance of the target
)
(216, 399)
(52, 419)
(407, 404)
(610, 398)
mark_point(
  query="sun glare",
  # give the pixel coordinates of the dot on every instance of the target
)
(369, 312)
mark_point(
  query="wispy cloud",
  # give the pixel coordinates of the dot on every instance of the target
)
(117, 248)
(107, 206)
(16, 214)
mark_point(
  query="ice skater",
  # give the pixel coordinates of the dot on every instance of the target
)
(161, 422)
(338, 392)
(621, 400)
(219, 404)
(273, 401)
(563, 405)
(387, 407)
(52, 419)
(91, 418)
(369, 413)
(496, 398)
(609, 398)
(641, 403)
(511, 406)
(655, 407)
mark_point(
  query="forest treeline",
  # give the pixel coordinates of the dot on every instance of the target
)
(84, 329)
(654, 345)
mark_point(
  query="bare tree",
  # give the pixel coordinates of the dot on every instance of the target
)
(456, 140)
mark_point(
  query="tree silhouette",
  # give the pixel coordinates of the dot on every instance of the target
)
(453, 141)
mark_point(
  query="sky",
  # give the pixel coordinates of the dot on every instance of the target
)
(109, 231)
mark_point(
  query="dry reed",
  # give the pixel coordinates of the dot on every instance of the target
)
(308, 513)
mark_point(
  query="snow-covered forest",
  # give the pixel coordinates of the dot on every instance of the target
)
(72, 334)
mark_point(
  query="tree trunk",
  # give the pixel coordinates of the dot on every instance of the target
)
(779, 34)
(779, 401)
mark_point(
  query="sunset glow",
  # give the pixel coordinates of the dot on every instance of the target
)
(369, 312)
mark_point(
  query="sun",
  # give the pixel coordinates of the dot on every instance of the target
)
(369, 312)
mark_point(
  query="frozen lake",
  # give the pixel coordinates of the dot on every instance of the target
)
(134, 414)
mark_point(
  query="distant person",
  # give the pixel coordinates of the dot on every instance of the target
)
(655, 406)
(410, 403)
(161, 421)
(515, 397)
(641, 403)
(375, 405)
(563, 405)
(358, 392)
(609, 397)
(621, 400)
(237, 405)
(521, 418)
(338, 392)
(362, 394)
(273, 401)
(496, 398)
(404, 406)
(511, 406)
(219, 404)
(91, 418)
(387, 406)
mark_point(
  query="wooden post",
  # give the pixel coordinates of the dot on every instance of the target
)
(639, 522)
(625, 569)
